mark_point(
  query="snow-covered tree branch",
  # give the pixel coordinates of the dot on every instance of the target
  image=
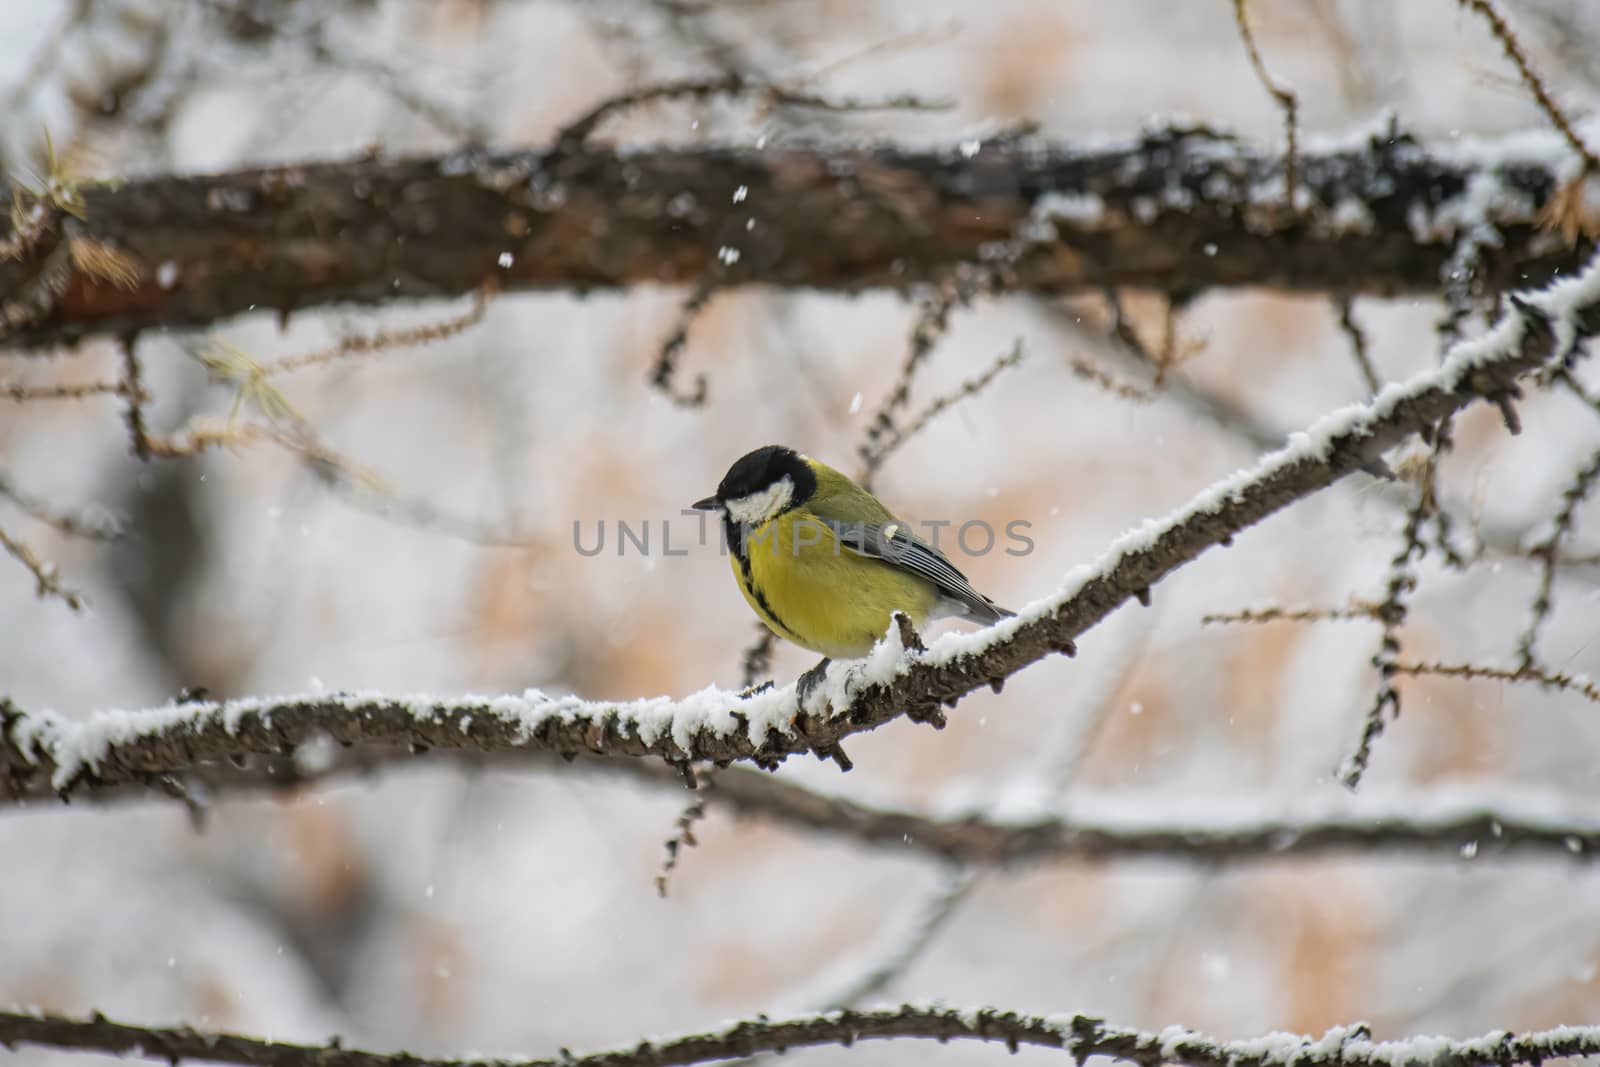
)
(1080, 1036)
(1178, 210)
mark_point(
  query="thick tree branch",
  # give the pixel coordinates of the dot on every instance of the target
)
(1178, 210)
(1081, 1036)
(721, 727)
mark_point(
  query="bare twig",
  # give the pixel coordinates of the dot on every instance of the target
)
(1082, 368)
(1172, 353)
(664, 372)
(1542, 677)
(1567, 210)
(873, 461)
(92, 527)
(1358, 344)
(134, 398)
(1358, 611)
(1391, 612)
(732, 83)
(932, 322)
(1123, 330)
(701, 782)
(1547, 551)
(25, 393)
(1215, 408)
(44, 574)
(1513, 49)
(1285, 98)
(384, 340)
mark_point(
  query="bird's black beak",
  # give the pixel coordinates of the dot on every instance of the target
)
(708, 504)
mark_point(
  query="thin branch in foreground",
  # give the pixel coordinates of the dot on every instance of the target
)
(898, 680)
(1220, 411)
(1285, 99)
(23, 394)
(1123, 329)
(1546, 552)
(1087, 371)
(45, 576)
(1523, 672)
(1081, 1036)
(1443, 522)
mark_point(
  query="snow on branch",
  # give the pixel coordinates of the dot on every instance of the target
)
(1080, 1036)
(720, 726)
(1178, 209)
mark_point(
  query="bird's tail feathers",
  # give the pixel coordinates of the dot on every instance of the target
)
(987, 611)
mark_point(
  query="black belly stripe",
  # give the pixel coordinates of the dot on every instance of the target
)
(736, 543)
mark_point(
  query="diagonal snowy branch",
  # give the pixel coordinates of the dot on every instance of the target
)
(719, 726)
(1081, 1036)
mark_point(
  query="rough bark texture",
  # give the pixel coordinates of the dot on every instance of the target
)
(1180, 211)
(1080, 1036)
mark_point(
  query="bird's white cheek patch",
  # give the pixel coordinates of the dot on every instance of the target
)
(759, 507)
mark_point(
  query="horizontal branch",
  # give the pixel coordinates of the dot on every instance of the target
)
(1178, 210)
(1081, 1036)
(1473, 825)
(719, 726)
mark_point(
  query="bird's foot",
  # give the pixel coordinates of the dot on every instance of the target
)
(753, 690)
(809, 681)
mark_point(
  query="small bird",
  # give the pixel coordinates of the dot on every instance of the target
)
(824, 564)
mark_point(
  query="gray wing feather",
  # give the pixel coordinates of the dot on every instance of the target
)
(894, 544)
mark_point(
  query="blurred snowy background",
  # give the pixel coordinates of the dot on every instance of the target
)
(445, 912)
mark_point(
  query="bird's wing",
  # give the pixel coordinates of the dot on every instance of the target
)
(893, 543)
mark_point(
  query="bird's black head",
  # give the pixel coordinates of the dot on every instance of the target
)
(762, 484)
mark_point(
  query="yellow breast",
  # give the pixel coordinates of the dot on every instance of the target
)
(810, 590)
